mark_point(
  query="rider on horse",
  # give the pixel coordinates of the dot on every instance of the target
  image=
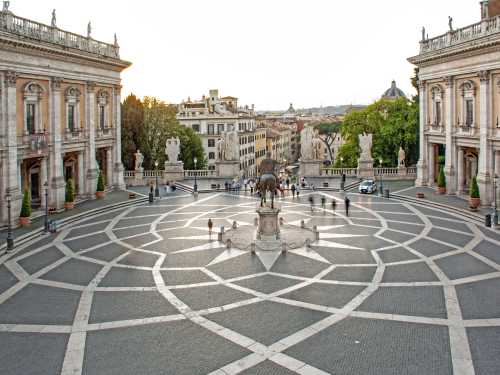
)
(267, 179)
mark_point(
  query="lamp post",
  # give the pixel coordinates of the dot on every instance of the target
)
(10, 239)
(195, 187)
(495, 186)
(342, 177)
(46, 186)
(381, 192)
(157, 189)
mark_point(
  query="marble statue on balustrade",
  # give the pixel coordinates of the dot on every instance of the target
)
(306, 141)
(401, 157)
(6, 5)
(317, 147)
(53, 23)
(311, 150)
(228, 155)
(89, 30)
(173, 149)
(139, 159)
(365, 161)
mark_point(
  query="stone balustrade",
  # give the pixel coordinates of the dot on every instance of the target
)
(469, 33)
(34, 144)
(339, 171)
(34, 30)
(203, 173)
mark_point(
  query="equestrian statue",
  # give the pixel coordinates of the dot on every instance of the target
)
(267, 181)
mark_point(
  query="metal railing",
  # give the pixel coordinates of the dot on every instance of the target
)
(36, 143)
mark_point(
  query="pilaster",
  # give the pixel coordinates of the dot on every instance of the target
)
(90, 160)
(450, 150)
(118, 180)
(81, 174)
(460, 171)
(56, 175)
(484, 163)
(422, 176)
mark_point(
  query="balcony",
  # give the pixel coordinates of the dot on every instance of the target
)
(34, 145)
(104, 132)
(76, 135)
(435, 128)
(467, 131)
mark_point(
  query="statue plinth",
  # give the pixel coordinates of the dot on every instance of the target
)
(269, 229)
(174, 171)
(310, 168)
(365, 168)
(228, 168)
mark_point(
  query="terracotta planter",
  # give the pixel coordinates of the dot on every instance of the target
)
(474, 202)
(69, 205)
(100, 194)
(420, 195)
(441, 190)
(24, 221)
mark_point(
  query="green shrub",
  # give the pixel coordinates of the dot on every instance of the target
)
(70, 191)
(474, 188)
(26, 207)
(100, 182)
(441, 179)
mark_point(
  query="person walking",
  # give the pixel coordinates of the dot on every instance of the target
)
(347, 202)
(311, 202)
(210, 226)
(293, 190)
(334, 205)
(323, 203)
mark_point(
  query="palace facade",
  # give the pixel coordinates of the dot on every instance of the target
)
(59, 112)
(459, 93)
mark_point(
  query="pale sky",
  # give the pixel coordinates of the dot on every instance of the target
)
(265, 52)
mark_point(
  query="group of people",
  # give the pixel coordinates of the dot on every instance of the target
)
(347, 203)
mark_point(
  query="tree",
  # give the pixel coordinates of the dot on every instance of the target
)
(132, 123)
(70, 191)
(328, 133)
(100, 182)
(441, 179)
(159, 120)
(474, 188)
(26, 205)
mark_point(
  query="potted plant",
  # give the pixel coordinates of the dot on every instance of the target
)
(100, 186)
(441, 182)
(474, 199)
(69, 201)
(24, 217)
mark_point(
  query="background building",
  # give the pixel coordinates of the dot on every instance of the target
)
(59, 111)
(459, 80)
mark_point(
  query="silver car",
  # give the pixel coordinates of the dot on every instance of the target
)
(368, 187)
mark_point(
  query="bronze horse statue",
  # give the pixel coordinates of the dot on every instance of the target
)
(267, 183)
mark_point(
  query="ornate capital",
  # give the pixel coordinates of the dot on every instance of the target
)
(90, 86)
(10, 78)
(449, 81)
(421, 85)
(484, 75)
(55, 83)
(117, 88)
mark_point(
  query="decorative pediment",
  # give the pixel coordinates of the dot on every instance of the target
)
(72, 93)
(33, 90)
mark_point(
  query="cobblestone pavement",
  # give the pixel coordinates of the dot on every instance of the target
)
(394, 288)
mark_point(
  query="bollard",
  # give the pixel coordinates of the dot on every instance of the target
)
(308, 243)
(386, 193)
(283, 247)
(228, 244)
(316, 235)
(235, 225)
(282, 221)
(487, 220)
(302, 224)
(315, 228)
(256, 221)
(252, 247)
(151, 198)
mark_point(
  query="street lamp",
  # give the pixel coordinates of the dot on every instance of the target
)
(495, 186)
(10, 239)
(381, 192)
(195, 188)
(157, 189)
(46, 187)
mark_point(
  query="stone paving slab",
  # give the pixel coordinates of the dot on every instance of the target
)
(357, 274)
(480, 300)
(74, 271)
(430, 248)
(489, 250)
(126, 277)
(463, 265)
(397, 254)
(87, 242)
(183, 277)
(412, 272)
(7, 279)
(295, 265)
(210, 296)
(139, 259)
(267, 284)
(344, 256)
(485, 349)
(40, 260)
(267, 368)
(107, 253)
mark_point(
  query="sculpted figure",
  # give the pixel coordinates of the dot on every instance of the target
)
(267, 180)
(365, 143)
(450, 23)
(220, 146)
(139, 159)
(317, 147)
(232, 146)
(401, 157)
(173, 149)
(423, 33)
(53, 22)
(89, 30)
(306, 143)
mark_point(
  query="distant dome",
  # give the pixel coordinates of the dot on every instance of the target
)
(394, 92)
(290, 109)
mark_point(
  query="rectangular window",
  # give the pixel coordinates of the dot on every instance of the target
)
(211, 155)
(196, 128)
(71, 117)
(438, 113)
(211, 143)
(101, 116)
(211, 130)
(30, 118)
(220, 128)
(469, 112)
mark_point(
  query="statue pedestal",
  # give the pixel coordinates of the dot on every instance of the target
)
(269, 229)
(228, 169)
(174, 171)
(310, 168)
(138, 177)
(365, 168)
(402, 171)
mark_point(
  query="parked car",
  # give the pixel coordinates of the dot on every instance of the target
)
(368, 187)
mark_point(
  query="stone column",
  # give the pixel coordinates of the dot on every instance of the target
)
(497, 163)
(450, 152)
(118, 181)
(43, 180)
(81, 174)
(56, 175)
(109, 168)
(460, 171)
(431, 149)
(9, 105)
(90, 162)
(484, 162)
(422, 176)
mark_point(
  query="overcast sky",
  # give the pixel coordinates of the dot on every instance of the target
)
(265, 52)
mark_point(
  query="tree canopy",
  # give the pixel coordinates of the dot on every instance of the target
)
(147, 124)
(393, 123)
(328, 131)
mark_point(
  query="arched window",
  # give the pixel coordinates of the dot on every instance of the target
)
(211, 155)
(468, 103)
(102, 109)
(437, 95)
(72, 98)
(32, 108)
